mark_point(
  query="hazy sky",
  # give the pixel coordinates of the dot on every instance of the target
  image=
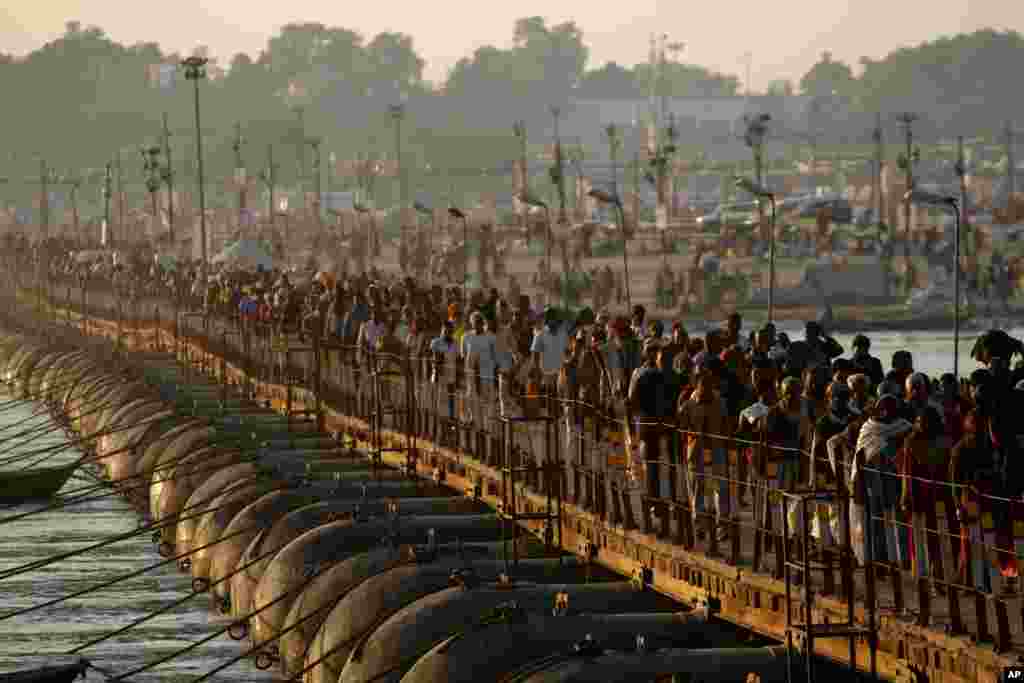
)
(717, 33)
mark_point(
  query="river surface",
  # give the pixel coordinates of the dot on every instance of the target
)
(933, 351)
(43, 637)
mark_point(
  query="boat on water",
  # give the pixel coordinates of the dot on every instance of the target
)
(25, 486)
(48, 674)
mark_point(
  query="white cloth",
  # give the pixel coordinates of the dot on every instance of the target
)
(874, 436)
(751, 414)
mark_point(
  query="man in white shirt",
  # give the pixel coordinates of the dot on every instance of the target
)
(480, 354)
(445, 352)
(548, 347)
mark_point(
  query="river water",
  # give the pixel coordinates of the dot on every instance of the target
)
(933, 351)
(42, 637)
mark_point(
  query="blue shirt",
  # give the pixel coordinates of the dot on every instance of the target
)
(359, 314)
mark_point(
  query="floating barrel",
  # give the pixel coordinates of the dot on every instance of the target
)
(482, 651)
(591, 664)
(325, 545)
(393, 647)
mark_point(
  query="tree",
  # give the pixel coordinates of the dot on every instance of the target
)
(827, 78)
(610, 81)
(780, 88)
(958, 81)
(687, 80)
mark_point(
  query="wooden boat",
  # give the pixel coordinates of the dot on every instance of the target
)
(49, 674)
(40, 483)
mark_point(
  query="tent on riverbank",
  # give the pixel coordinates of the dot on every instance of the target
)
(247, 254)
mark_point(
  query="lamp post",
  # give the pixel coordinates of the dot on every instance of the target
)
(425, 210)
(557, 171)
(397, 112)
(240, 179)
(613, 199)
(456, 212)
(151, 170)
(532, 200)
(167, 175)
(949, 203)
(753, 137)
(269, 177)
(906, 162)
(107, 192)
(315, 144)
(195, 72)
(362, 209)
(762, 192)
(519, 130)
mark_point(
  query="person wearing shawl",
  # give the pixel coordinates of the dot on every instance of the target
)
(875, 454)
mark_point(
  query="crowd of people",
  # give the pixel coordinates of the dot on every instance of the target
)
(724, 421)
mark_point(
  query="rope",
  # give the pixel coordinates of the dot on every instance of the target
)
(169, 520)
(123, 577)
(221, 631)
(237, 570)
(92, 436)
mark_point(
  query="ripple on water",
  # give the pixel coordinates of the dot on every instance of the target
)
(42, 637)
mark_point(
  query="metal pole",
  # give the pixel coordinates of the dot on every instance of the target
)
(44, 199)
(907, 120)
(271, 179)
(962, 172)
(557, 113)
(465, 261)
(199, 162)
(625, 253)
(878, 202)
(771, 266)
(547, 251)
(106, 203)
(956, 293)
(74, 206)
(237, 146)
(120, 197)
(319, 187)
(1010, 164)
(169, 179)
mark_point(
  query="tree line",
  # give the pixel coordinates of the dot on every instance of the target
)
(82, 98)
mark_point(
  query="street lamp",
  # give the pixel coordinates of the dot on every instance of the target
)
(614, 200)
(950, 203)
(315, 144)
(397, 112)
(151, 167)
(455, 212)
(762, 192)
(526, 197)
(195, 71)
(425, 210)
(362, 209)
(753, 137)
(107, 192)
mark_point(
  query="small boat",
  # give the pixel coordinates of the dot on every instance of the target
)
(40, 483)
(49, 674)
